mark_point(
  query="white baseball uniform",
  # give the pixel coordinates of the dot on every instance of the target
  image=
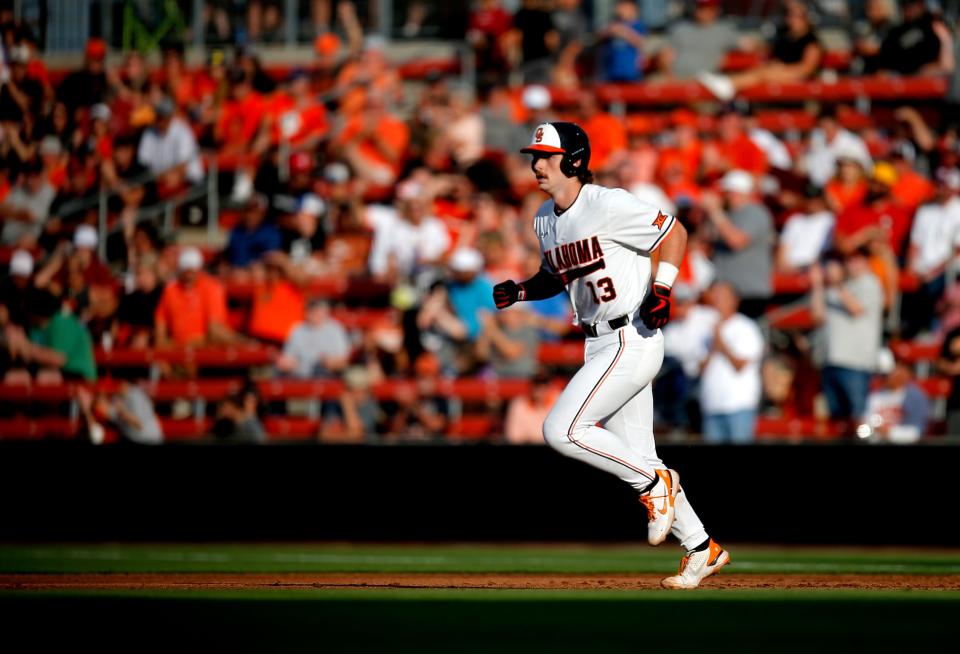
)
(600, 247)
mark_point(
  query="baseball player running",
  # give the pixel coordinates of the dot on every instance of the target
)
(597, 243)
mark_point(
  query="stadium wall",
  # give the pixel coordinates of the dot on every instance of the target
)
(765, 494)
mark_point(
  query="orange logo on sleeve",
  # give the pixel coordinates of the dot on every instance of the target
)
(659, 220)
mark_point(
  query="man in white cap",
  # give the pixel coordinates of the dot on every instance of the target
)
(193, 307)
(79, 276)
(743, 240)
(469, 290)
(536, 99)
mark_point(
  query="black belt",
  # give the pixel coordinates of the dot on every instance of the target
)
(615, 324)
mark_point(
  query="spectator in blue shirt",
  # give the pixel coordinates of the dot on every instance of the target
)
(253, 237)
(622, 58)
(470, 292)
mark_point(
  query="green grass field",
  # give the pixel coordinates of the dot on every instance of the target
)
(759, 616)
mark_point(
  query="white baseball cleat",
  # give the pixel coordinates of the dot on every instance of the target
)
(659, 503)
(697, 566)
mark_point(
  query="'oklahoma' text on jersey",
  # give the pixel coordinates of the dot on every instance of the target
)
(600, 247)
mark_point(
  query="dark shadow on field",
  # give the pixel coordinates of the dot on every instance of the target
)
(484, 623)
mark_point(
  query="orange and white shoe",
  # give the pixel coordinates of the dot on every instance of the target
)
(659, 503)
(697, 566)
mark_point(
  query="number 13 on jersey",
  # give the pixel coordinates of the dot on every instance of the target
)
(605, 285)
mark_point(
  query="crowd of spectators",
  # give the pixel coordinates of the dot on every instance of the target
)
(414, 196)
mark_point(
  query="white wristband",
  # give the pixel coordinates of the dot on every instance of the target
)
(666, 274)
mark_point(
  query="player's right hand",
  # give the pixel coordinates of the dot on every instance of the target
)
(507, 293)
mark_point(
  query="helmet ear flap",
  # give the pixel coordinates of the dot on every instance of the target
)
(569, 166)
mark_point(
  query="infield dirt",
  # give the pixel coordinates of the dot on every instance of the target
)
(334, 581)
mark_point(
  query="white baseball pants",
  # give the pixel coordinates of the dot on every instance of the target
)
(604, 416)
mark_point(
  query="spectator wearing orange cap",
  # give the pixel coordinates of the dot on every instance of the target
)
(87, 86)
(327, 47)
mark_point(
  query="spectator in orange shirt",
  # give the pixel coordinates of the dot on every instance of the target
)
(849, 186)
(367, 75)
(178, 82)
(374, 143)
(681, 159)
(238, 132)
(911, 188)
(734, 149)
(880, 226)
(608, 137)
(296, 116)
(193, 307)
(324, 72)
(278, 303)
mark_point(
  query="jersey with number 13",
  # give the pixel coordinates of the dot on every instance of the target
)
(600, 248)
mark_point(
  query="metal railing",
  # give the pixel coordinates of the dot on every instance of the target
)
(164, 210)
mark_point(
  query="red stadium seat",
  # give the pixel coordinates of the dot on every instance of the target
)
(288, 429)
(473, 427)
(187, 429)
(419, 69)
(916, 352)
(738, 60)
(778, 428)
(936, 387)
(38, 428)
(847, 89)
(561, 353)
